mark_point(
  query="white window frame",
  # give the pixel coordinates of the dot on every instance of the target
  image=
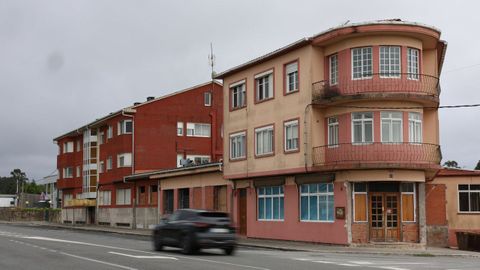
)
(363, 120)
(264, 85)
(414, 193)
(415, 128)
(101, 168)
(109, 132)
(180, 128)
(122, 127)
(193, 130)
(366, 201)
(68, 172)
(238, 145)
(79, 145)
(202, 158)
(78, 171)
(333, 69)
(238, 95)
(179, 158)
(126, 159)
(413, 64)
(291, 72)
(317, 194)
(365, 72)
(333, 132)
(123, 196)
(291, 124)
(207, 99)
(68, 147)
(388, 118)
(105, 197)
(109, 163)
(101, 138)
(469, 191)
(262, 130)
(280, 196)
(387, 61)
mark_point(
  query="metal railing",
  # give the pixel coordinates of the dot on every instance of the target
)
(381, 153)
(411, 83)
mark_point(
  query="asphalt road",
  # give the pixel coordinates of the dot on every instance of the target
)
(26, 247)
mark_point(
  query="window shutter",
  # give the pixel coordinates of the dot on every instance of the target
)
(360, 207)
(408, 207)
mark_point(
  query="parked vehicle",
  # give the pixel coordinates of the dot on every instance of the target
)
(193, 229)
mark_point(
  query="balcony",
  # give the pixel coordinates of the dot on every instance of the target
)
(420, 87)
(377, 155)
(69, 183)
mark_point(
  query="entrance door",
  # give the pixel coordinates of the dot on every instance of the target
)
(91, 215)
(384, 217)
(242, 211)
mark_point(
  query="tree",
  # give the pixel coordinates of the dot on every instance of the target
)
(20, 177)
(451, 164)
(478, 166)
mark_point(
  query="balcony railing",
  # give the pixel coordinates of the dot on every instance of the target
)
(377, 154)
(377, 83)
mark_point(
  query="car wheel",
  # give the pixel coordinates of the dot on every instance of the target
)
(229, 250)
(187, 244)
(157, 243)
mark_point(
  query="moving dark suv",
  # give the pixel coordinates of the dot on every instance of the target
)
(192, 229)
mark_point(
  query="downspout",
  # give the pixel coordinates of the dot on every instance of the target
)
(213, 141)
(158, 201)
(305, 137)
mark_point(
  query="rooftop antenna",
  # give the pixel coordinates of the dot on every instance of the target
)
(345, 23)
(211, 60)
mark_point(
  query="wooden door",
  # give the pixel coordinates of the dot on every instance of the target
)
(384, 217)
(242, 211)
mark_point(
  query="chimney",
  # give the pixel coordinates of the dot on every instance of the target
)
(150, 98)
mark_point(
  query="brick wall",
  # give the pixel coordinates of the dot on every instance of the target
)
(436, 215)
(410, 233)
(359, 232)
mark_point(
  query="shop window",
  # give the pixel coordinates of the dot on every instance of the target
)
(316, 202)
(270, 203)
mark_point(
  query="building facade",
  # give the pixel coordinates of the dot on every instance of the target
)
(332, 138)
(94, 159)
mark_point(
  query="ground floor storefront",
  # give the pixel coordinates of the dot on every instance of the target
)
(336, 208)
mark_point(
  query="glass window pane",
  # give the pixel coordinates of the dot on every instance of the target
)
(313, 208)
(268, 208)
(281, 208)
(323, 208)
(463, 201)
(304, 188)
(330, 187)
(330, 207)
(475, 201)
(368, 132)
(276, 208)
(462, 187)
(261, 208)
(304, 208)
(322, 187)
(313, 188)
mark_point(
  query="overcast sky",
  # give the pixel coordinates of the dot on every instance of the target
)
(66, 63)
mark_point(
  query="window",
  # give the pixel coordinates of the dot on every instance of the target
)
(125, 127)
(362, 63)
(291, 77)
(105, 197)
(183, 198)
(392, 131)
(413, 63)
(179, 128)
(207, 99)
(198, 130)
(362, 127)
(264, 86)
(68, 172)
(141, 195)
(316, 202)
(109, 132)
(79, 146)
(360, 202)
(153, 195)
(197, 160)
(291, 135)
(469, 198)
(68, 147)
(124, 160)
(101, 138)
(333, 63)
(167, 201)
(78, 171)
(409, 206)
(101, 168)
(123, 196)
(237, 91)
(415, 127)
(264, 141)
(179, 160)
(237, 145)
(109, 163)
(332, 132)
(270, 203)
(390, 61)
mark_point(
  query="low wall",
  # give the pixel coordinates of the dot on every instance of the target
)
(30, 214)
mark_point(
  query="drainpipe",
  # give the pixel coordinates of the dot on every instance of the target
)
(305, 137)
(158, 201)
(213, 141)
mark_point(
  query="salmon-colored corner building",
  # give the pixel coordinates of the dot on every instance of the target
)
(333, 138)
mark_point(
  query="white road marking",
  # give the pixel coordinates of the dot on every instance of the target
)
(361, 262)
(326, 262)
(98, 261)
(391, 268)
(348, 264)
(142, 257)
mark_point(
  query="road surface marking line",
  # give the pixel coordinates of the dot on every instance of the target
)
(391, 268)
(142, 257)
(327, 262)
(361, 262)
(98, 261)
(348, 264)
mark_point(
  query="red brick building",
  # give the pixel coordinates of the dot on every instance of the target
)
(94, 159)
